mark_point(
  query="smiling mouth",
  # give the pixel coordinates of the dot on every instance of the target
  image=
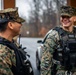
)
(66, 22)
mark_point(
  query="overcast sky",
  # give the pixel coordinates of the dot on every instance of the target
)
(0, 4)
(23, 7)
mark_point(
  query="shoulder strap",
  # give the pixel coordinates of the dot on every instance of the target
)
(17, 53)
(23, 65)
(60, 31)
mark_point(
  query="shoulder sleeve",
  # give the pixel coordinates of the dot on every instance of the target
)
(47, 52)
(6, 60)
(4, 68)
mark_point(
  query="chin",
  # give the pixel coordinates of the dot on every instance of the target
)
(16, 35)
(67, 25)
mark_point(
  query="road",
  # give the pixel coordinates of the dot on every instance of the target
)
(31, 45)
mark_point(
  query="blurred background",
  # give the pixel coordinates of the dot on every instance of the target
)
(40, 15)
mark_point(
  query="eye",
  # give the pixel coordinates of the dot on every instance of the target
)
(19, 22)
(65, 17)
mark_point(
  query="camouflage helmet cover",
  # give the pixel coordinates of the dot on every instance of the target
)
(10, 14)
(68, 11)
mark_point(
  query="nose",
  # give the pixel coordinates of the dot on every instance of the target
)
(64, 19)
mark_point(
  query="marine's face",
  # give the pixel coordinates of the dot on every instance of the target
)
(16, 28)
(66, 21)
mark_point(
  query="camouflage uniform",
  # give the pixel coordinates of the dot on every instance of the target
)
(7, 59)
(10, 14)
(50, 46)
(7, 56)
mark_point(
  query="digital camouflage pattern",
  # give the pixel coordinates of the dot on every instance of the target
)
(10, 14)
(7, 59)
(51, 44)
(68, 11)
(47, 56)
(46, 60)
(7, 56)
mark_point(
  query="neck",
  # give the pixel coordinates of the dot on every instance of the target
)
(69, 29)
(6, 36)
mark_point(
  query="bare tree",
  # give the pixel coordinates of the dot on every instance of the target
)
(44, 13)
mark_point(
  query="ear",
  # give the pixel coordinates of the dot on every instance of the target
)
(10, 25)
(73, 18)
